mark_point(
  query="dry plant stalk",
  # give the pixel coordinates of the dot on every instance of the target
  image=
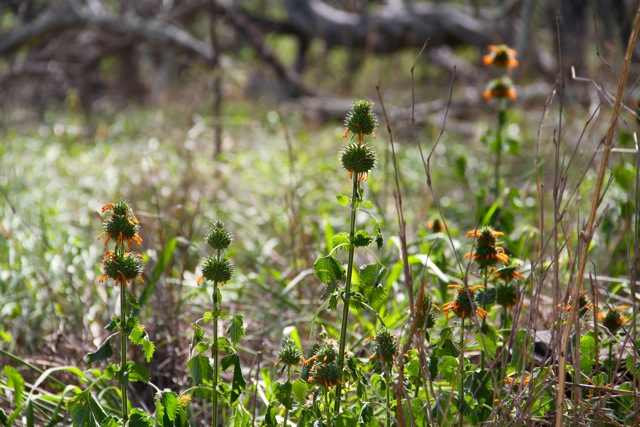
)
(587, 233)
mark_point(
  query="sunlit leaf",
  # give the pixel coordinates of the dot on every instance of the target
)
(200, 369)
(329, 270)
(236, 329)
(103, 353)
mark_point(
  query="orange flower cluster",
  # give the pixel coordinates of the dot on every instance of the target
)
(464, 303)
(501, 56)
(486, 250)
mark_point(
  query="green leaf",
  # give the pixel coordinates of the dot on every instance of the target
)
(132, 301)
(85, 410)
(282, 393)
(365, 204)
(299, 389)
(343, 200)
(448, 368)
(16, 382)
(235, 329)
(200, 369)
(378, 234)
(138, 372)
(346, 419)
(113, 324)
(103, 353)
(340, 239)
(140, 337)
(587, 353)
(198, 336)
(237, 383)
(362, 239)
(171, 405)
(138, 418)
(489, 342)
(371, 275)
(270, 416)
(329, 270)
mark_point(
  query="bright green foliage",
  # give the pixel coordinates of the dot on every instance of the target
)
(329, 270)
(200, 369)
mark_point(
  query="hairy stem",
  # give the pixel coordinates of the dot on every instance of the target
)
(123, 343)
(347, 286)
(214, 354)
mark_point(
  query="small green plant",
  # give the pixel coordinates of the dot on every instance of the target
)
(205, 371)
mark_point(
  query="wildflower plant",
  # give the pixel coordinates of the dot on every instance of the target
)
(121, 227)
(217, 270)
(501, 89)
(358, 158)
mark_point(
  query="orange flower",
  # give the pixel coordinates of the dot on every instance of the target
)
(486, 251)
(464, 303)
(500, 88)
(501, 56)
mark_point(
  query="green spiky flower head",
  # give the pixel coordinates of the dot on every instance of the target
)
(386, 347)
(219, 237)
(361, 120)
(121, 267)
(217, 269)
(289, 353)
(358, 159)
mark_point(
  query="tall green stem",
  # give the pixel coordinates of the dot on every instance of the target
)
(460, 406)
(286, 410)
(347, 287)
(387, 379)
(123, 342)
(498, 149)
(214, 354)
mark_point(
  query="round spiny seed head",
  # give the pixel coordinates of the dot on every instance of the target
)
(289, 353)
(386, 346)
(120, 227)
(361, 120)
(121, 208)
(358, 159)
(428, 312)
(327, 375)
(123, 267)
(219, 238)
(506, 294)
(613, 320)
(326, 353)
(217, 269)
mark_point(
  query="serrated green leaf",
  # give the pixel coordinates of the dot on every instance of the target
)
(343, 200)
(200, 369)
(448, 368)
(270, 415)
(140, 337)
(282, 393)
(103, 353)
(198, 336)
(138, 418)
(171, 405)
(362, 239)
(340, 239)
(299, 389)
(489, 342)
(113, 324)
(236, 329)
(16, 382)
(85, 410)
(365, 204)
(371, 275)
(138, 372)
(237, 383)
(329, 270)
(132, 301)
